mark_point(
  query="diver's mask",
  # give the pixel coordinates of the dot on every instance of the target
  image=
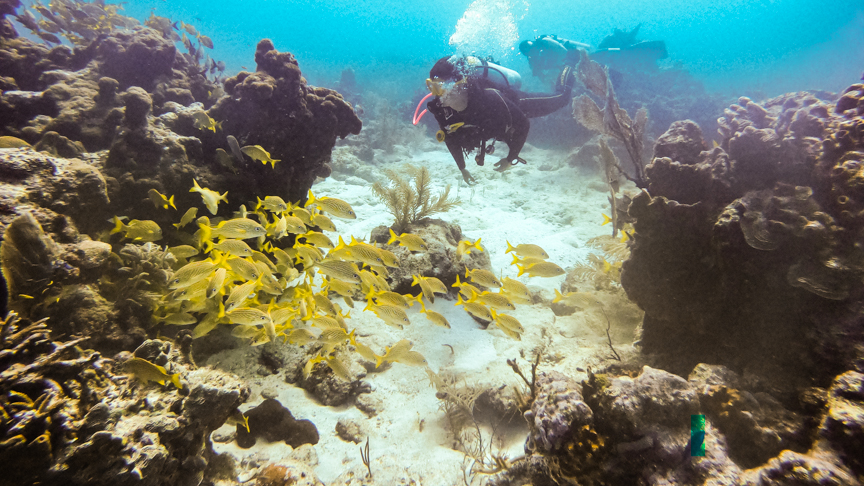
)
(452, 94)
(439, 87)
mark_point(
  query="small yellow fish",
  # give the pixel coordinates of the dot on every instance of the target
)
(344, 271)
(364, 254)
(272, 203)
(465, 246)
(390, 259)
(507, 321)
(215, 284)
(474, 308)
(339, 369)
(238, 228)
(324, 304)
(237, 248)
(301, 337)
(191, 273)
(436, 318)
(183, 251)
(345, 289)
(401, 353)
(12, 142)
(525, 261)
(244, 268)
(494, 301)
(364, 351)
(202, 121)
(138, 230)
(323, 222)
(293, 225)
(257, 152)
(424, 287)
(211, 198)
(206, 325)
(187, 218)
(412, 242)
(303, 215)
(388, 298)
(225, 159)
(544, 269)
(178, 319)
(205, 41)
(147, 371)
(159, 200)
(248, 316)
(606, 220)
(317, 239)
(390, 314)
(527, 250)
(516, 291)
(482, 277)
(465, 288)
(331, 205)
(574, 299)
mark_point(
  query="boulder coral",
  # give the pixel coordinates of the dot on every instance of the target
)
(297, 123)
(742, 255)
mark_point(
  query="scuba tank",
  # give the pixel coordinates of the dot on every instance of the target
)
(498, 75)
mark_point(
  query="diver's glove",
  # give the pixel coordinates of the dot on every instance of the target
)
(506, 163)
(468, 178)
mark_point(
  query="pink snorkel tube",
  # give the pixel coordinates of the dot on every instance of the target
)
(417, 118)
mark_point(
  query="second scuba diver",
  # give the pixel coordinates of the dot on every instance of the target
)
(471, 108)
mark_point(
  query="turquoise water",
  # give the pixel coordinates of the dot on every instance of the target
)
(735, 47)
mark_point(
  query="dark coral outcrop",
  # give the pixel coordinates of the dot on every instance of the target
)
(742, 255)
(297, 123)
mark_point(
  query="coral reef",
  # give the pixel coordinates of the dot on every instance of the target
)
(743, 254)
(296, 123)
(441, 261)
(69, 418)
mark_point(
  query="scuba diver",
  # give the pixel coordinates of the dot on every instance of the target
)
(550, 52)
(476, 101)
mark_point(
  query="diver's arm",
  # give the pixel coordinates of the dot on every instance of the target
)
(456, 151)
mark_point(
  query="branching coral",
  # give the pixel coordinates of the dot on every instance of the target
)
(410, 199)
(612, 120)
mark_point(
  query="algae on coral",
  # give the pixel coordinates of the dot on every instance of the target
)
(410, 199)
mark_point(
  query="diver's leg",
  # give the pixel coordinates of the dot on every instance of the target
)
(542, 104)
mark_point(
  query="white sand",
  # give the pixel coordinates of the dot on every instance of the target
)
(558, 209)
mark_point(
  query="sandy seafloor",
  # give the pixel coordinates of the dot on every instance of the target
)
(546, 202)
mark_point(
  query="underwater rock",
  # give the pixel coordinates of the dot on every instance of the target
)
(28, 255)
(801, 470)
(136, 58)
(441, 261)
(288, 473)
(57, 145)
(349, 431)
(843, 424)
(138, 105)
(273, 422)
(331, 390)
(82, 424)
(557, 412)
(729, 245)
(296, 123)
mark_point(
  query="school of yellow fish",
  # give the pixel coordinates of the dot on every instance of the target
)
(235, 272)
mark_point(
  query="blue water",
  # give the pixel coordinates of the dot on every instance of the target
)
(735, 47)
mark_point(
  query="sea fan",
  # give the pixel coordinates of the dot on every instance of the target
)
(410, 199)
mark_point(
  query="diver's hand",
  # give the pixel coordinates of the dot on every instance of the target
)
(468, 178)
(503, 164)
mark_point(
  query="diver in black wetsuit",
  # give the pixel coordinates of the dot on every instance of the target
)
(550, 52)
(471, 109)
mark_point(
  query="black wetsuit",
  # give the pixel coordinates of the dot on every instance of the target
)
(499, 114)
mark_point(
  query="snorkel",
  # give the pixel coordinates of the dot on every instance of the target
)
(417, 118)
